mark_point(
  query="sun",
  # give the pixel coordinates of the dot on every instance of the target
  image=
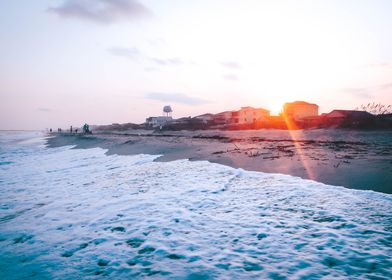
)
(275, 108)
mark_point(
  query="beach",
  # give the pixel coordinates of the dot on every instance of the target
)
(70, 213)
(196, 140)
(353, 159)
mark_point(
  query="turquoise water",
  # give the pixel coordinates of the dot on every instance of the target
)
(72, 214)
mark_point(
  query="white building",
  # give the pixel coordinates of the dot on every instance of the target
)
(158, 121)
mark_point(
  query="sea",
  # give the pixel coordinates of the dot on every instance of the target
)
(69, 213)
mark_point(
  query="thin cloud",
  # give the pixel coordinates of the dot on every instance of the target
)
(230, 64)
(125, 52)
(167, 61)
(135, 53)
(385, 86)
(359, 92)
(176, 98)
(367, 92)
(101, 11)
(46, 110)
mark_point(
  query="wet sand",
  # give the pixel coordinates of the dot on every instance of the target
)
(353, 159)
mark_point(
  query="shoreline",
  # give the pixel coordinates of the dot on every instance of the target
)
(352, 159)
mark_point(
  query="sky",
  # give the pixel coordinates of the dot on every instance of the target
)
(68, 62)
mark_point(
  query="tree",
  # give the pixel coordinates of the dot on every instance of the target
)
(376, 108)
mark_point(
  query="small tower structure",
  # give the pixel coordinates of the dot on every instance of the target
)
(167, 111)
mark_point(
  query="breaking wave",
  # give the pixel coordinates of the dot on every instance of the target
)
(78, 213)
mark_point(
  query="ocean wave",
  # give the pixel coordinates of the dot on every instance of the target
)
(78, 213)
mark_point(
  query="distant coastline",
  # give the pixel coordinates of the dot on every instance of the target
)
(295, 115)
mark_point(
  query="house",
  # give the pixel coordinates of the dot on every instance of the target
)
(300, 109)
(183, 120)
(277, 122)
(158, 121)
(386, 116)
(250, 115)
(205, 118)
(311, 122)
(351, 114)
(186, 123)
(223, 117)
(348, 117)
(384, 121)
(246, 115)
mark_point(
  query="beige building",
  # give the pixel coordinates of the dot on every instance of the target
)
(249, 115)
(300, 109)
(246, 115)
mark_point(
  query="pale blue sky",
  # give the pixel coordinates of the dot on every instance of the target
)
(100, 61)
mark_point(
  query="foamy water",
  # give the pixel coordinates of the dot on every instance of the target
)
(70, 214)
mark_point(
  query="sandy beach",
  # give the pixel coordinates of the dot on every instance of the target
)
(353, 159)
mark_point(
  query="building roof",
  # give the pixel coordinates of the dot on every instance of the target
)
(161, 117)
(158, 118)
(223, 113)
(299, 103)
(204, 115)
(251, 108)
(183, 119)
(351, 113)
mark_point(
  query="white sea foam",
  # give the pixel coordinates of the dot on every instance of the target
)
(70, 213)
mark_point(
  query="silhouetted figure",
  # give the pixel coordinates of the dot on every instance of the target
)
(86, 129)
(70, 129)
(76, 131)
(50, 130)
